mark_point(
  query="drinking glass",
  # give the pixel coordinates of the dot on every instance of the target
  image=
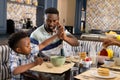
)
(93, 56)
(82, 55)
(75, 58)
(94, 61)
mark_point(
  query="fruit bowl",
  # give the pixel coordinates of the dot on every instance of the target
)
(57, 60)
(106, 52)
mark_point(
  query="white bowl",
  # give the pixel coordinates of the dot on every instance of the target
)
(109, 63)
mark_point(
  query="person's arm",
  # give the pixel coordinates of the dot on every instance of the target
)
(116, 42)
(23, 68)
(47, 42)
(110, 41)
(71, 40)
(68, 38)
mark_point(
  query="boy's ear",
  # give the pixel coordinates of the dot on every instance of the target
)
(18, 50)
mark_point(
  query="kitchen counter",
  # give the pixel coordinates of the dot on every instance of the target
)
(92, 37)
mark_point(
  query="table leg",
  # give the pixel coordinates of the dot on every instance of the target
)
(67, 75)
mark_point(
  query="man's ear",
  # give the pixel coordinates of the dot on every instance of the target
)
(18, 50)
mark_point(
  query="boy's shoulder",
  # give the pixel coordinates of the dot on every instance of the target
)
(12, 52)
(34, 48)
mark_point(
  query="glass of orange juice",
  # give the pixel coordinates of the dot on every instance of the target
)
(82, 55)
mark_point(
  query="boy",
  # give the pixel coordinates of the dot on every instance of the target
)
(22, 56)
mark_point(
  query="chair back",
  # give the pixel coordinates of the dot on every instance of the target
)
(4, 59)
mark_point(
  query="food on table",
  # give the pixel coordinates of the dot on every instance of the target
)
(103, 71)
(87, 59)
(103, 52)
(106, 52)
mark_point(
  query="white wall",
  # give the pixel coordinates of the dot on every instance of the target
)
(67, 11)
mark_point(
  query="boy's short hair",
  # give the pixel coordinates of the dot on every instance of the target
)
(51, 10)
(15, 38)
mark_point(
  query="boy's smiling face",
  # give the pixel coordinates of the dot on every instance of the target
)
(23, 46)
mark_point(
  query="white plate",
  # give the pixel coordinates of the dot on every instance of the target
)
(112, 75)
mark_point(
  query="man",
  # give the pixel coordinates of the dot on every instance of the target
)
(49, 28)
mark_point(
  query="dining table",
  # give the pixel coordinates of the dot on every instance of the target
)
(48, 67)
(92, 74)
(113, 67)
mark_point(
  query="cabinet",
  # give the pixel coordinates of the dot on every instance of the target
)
(80, 17)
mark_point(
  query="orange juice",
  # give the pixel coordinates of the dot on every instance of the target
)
(82, 55)
(27, 1)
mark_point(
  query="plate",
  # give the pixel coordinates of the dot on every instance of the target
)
(112, 75)
(72, 59)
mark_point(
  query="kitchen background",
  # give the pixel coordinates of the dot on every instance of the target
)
(99, 14)
(19, 12)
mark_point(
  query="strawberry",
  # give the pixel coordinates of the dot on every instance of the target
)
(88, 59)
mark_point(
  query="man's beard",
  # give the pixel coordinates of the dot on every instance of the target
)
(49, 29)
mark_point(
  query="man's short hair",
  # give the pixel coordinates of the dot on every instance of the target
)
(15, 38)
(51, 10)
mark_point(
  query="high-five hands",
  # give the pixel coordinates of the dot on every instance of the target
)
(61, 32)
